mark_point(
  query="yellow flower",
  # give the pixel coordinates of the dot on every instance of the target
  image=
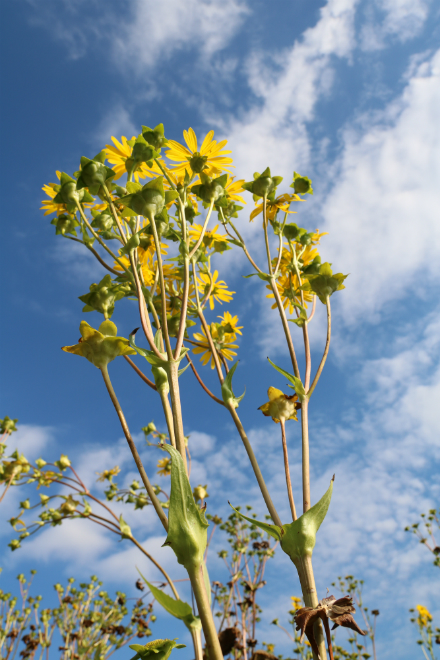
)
(230, 324)
(118, 153)
(296, 603)
(164, 466)
(148, 264)
(211, 156)
(210, 237)
(280, 406)
(287, 286)
(108, 474)
(48, 205)
(222, 345)
(424, 616)
(217, 289)
(281, 203)
(233, 188)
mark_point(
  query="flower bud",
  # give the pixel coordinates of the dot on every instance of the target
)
(93, 173)
(155, 136)
(148, 201)
(65, 224)
(198, 162)
(263, 184)
(210, 190)
(301, 184)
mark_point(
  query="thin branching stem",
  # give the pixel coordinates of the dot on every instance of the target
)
(287, 469)
(326, 349)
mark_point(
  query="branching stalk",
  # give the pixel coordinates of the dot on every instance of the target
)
(287, 469)
(326, 349)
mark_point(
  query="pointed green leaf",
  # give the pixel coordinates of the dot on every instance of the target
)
(187, 524)
(299, 537)
(273, 530)
(297, 384)
(177, 608)
(227, 391)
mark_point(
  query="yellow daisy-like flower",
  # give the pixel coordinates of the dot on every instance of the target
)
(224, 347)
(288, 287)
(233, 188)
(281, 203)
(210, 237)
(164, 466)
(218, 290)
(280, 406)
(229, 322)
(48, 205)
(118, 153)
(108, 474)
(296, 604)
(211, 154)
(424, 616)
(147, 262)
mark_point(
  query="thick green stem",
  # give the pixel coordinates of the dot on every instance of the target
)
(173, 378)
(197, 642)
(305, 454)
(256, 468)
(213, 648)
(168, 415)
(308, 587)
(137, 459)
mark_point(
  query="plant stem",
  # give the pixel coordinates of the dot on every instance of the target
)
(307, 580)
(162, 290)
(287, 469)
(256, 468)
(208, 391)
(173, 378)
(137, 459)
(140, 373)
(305, 454)
(168, 415)
(326, 349)
(213, 649)
(197, 642)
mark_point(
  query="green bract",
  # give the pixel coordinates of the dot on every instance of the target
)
(301, 184)
(100, 346)
(155, 136)
(142, 152)
(158, 649)
(210, 190)
(228, 395)
(187, 524)
(324, 283)
(298, 538)
(93, 173)
(177, 608)
(68, 193)
(65, 224)
(102, 221)
(149, 200)
(263, 185)
(102, 296)
(198, 162)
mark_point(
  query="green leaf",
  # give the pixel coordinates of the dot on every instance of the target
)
(273, 530)
(227, 392)
(177, 608)
(297, 384)
(187, 524)
(125, 529)
(158, 649)
(299, 537)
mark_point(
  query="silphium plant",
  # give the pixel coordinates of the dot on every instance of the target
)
(163, 262)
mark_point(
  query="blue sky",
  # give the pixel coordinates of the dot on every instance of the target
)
(346, 92)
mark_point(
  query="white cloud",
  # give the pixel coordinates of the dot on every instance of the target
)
(116, 122)
(156, 30)
(401, 19)
(382, 213)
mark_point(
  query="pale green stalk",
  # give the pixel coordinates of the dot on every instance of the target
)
(137, 459)
(213, 648)
(197, 642)
(93, 251)
(326, 349)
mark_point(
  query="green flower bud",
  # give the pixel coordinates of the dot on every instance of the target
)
(198, 162)
(40, 463)
(65, 224)
(8, 425)
(325, 283)
(68, 193)
(149, 201)
(102, 221)
(301, 184)
(160, 379)
(100, 346)
(102, 296)
(93, 173)
(14, 544)
(263, 184)
(313, 268)
(210, 190)
(200, 492)
(63, 463)
(155, 136)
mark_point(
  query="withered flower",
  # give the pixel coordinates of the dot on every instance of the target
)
(339, 611)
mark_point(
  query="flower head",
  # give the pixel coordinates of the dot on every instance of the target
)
(100, 346)
(229, 323)
(232, 189)
(211, 159)
(280, 406)
(164, 465)
(51, 189)
(222, 343)
(424, 616)
(281, 203)
(215, 289)
(118, 154)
